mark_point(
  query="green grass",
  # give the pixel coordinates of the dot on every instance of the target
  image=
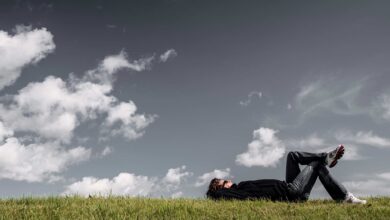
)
(147, 208)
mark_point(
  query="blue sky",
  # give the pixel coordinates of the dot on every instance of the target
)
(155, 98)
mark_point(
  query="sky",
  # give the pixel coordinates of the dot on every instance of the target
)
(155, 98)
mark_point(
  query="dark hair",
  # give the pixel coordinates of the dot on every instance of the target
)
(213, 187)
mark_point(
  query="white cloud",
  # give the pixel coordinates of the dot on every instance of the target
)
(121, 113)
(4, 132)
(106, 151)
(26, 46)
(177, 195)
(364, 138)
(168, 55)
(250, 97)
(373, 185)
(310, 142)
(132, 185)
(112, 26)
(207, 177)
(352, 153)
(123, 184)
(385, 176)
(333, 95)
(350, 97)
(131, 124)
(314, 143)
(382, 106)
(265, 149)
(113, 63)
(37, 162)
(45, 115)
(54, 108)
(176, 175)
(172, 181)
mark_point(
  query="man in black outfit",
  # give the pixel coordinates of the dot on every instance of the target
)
(297, 186)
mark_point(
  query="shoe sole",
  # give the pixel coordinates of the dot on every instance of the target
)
(339, 154)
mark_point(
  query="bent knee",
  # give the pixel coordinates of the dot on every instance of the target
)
(291, 153)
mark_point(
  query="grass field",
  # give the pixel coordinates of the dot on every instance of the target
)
(146, 208)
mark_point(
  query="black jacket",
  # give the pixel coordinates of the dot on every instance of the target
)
(274, 190)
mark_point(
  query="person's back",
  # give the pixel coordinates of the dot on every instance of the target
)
(272, 189)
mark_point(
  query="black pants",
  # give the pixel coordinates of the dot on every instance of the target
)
(300, 183)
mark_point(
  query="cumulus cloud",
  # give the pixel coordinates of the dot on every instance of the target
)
(130, 184)
(37, 162)
(51, 108)
(207, 177)
(26, 46)
(4, 132)
(37, 123)
(168, 55)
(172, 181)
(54, 108)
(113, 63)
(176, 175)
(47, 113)
(131, 124)
(251, 95)
(264, 150)
(123, 184)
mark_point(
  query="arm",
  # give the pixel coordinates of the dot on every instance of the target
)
(231, 194)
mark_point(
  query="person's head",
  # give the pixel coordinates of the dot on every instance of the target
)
(216, 184)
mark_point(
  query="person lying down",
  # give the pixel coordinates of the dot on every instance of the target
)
(296, 187)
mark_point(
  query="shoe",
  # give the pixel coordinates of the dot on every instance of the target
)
(333, 156)
(350, 198)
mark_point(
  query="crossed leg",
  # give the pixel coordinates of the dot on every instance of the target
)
(301, 182)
